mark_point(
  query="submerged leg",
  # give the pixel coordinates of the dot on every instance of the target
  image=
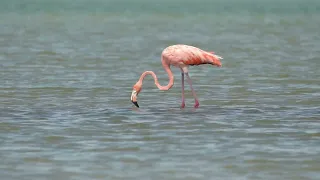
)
(196, 101)
(182, 91)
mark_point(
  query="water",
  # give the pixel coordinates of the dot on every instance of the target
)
(67, 69)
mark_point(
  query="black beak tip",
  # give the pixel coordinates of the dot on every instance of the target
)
(135, 103)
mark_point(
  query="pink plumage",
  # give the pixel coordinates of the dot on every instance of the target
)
(180, 56)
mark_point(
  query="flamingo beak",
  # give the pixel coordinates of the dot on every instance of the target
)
(134, 98)
(136, 104)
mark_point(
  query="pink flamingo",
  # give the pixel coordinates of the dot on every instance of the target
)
(181, 56)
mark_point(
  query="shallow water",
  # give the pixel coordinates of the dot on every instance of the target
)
(67, 70)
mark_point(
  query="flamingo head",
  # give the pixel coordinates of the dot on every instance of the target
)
(135, 91)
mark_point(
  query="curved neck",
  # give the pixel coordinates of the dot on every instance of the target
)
(170, 75)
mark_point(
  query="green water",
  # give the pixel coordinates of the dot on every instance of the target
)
(68, 67)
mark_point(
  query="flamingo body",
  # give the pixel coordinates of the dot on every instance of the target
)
(184, 55)
(181, 56)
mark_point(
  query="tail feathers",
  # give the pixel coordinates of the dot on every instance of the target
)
(219, 57)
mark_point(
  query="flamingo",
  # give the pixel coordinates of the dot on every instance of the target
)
(181, 56)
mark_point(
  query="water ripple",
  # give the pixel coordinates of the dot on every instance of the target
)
(65, 92)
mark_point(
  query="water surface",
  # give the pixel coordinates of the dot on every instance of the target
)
(67, 69)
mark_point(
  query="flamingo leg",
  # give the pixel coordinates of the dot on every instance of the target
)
(196, 101)
(182, 91)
